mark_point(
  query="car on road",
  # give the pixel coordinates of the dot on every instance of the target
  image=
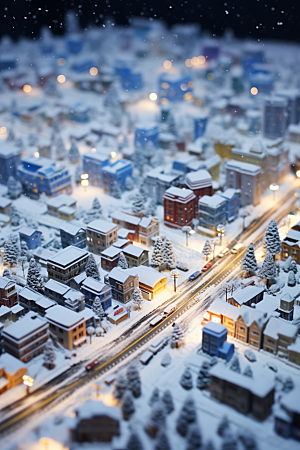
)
(91, 365)
(236, 248)
(206, 267)
(156, 320)
(223, 252)
(146, 357)
(169, 310)
(194, 275)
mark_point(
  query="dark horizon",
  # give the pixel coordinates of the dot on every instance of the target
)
(253, 19)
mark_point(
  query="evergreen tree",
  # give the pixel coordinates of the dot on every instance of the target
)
(207, 249)
(134, 381)
(14, 188)
(143, 192)
(134, 442)
(112, 97)
(10, 252)
(268, 269)
(11, 135)
(6, 273)
(162, 442)
(177, 337)
(287, 265)
(229, 442)
(291, 279)
(122, 262)
(248, 372)
(91, 268)
(49, 355)
(249, 261)
(32, 139)
(186, 417)
(294, 267)
(24, 250)
(128, 407)
(248, 441)
(154, 396)
(56, 244)
(137, 297)
(169, 255)
(129, 185)
(98, 308)
(19, 143)
(116, 191)
(272, 242)
(172, 127)
(78, 173)
(139, 160)
(223, 426)
(15, 217)
(60, 150)
(96, 205)
(186, 380)
(157, 418)
(120, 387)
(235, 364)
(152, 206)
(194, 438)
(74, 155)
(167, 400)
(138, 205)
(34, 278)
(158, 159)
(158, 257)
(203, 378)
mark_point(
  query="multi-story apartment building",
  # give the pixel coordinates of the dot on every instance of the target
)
(275, 117)
(200, 182)
(136, 256)
(100, 234)
(212, 212)
(157, 181)
(8, 293)
(67, 263)
(142, 229)
(71, 234)
(122, 284)
(64, 295)
(93, 163)
(179, 207)
(26, 338)
(115, 174)
(68, 326)
(10, 158)
(92, 288)
(247, 178)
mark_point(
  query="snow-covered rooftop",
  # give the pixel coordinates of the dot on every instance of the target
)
(111, 251)
(243, 167)
(244, 295)
(229, 193)
(212, 200)
(133, 250)
(94, 408)
(10, 364)
(4, 282)
(68, 256)
(124, 217)
(147, 275)
(64, 316)
(178, 192)
(26, 326)
(71, 228)
(201, 175)
(214, 327)
(277, 326)
(56, 286)
(91, 283)
(101, 226)
(4, 202)
(61, 200)
(27, 231)
(119, 274)
(291, 401)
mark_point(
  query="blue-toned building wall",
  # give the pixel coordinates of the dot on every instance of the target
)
(74, 44)
(33, 241)
(93, 167)
(144, 135)
(112, 176)
(8, 166)
(232, 206)
(212, 342)
(175, 89)
(210, 217)
(105, 297)
(78, 240)
(200, 124)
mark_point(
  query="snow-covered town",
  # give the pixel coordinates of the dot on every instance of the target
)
(149, 240)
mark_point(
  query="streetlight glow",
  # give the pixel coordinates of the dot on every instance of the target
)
(153, 96)
(93, 71)
(36, 154)
(254, 91)
(167, 64)
(61, 78)
(3, 130)
(27, 380)
(298, 174)
(113, 155)
(27, 88)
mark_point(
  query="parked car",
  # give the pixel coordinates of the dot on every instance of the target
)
(194, 275)
(206, 267)
(223, 252)
(236, 248)
(156, 320)
(146, 357)
(91, 365)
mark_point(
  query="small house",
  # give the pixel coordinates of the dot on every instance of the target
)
(122, 284)
(212, 212)
(8, 293)
(117, 314)
(31, 236)
(5, 206)
(233, 203)
(54, 204)
(247, 296)
(115, 174)
(150, 282)
(136, 256)
(12, 371)
(214, 341)
(92, 288)
(278, 336)
(80, 113)
(67, 326)
(72, 234)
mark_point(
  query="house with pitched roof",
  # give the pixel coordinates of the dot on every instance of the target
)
(278, 336)
(250, 325)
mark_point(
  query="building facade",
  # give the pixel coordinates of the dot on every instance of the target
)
(31, 236)
(67, 326)
(115, 174)
(200, 182)
(71, 234)
(67, 263)
(122, 284)
(179, 207)
(247, 178)
(100, 235)
(214, 341)
(275, 117)
(233, 203)
(8, 293)
(10, 158)
(93, 164)
(212, 211)
(92, 288)
(142, 229)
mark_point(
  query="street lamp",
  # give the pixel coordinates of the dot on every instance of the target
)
(273, 187)
(221, 231)
(291, 215)
(214, 243)
(85, 180)
(175, 274)
(28, 381)
(188, 231)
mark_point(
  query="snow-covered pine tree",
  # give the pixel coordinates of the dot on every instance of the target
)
(170, 258)
(194, 437)
(177, 337)
(78, 173)
(162, 441)
(229, 442)
(249, 262)
(134, 381)
(223, 426)
(158, 159)
(98, 308)
(291, 281)
(157, 418)
(167, 400)
(248, 372)
(154, 396)
(134, 442)
(112, 97)
(268, 268)
(56, 244)
(287, 264)
(11, 135)
(207, 249)
(288, 384)
(60, 150)
(235, 364)
(91, 268)
(294, 267)
(122, 262)
(24, 249)
(120, 387)
(34, 278)
(139, 160)
(186, 380)
(49, 355)
(186, 417)
(143, 192)
(128, 407)
(96, 205)
(6, 273)
(138, 205)
(19, 143)
(14, 217)
(10, 256)
(248, 440)
(32, 139)
(151, 208)
(137, 298)
(158, 257)
(129, 185)
(14, 188)
(172, 127)
(116, 191)
(74, 155)
(203, 378)
(272, 242)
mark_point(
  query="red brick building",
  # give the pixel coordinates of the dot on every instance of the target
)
(8, 293)
(179, 207)
(200, 182)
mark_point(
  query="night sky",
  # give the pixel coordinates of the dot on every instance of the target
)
(257, 19)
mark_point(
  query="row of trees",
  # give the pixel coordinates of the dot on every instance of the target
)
(163, 253)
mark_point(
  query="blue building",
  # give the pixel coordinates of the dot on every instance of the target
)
(211, 52)
(130, 80)
(92, 288)
(212, 211)
(92, 165)
(233, 203)
(71, 234)
(214, 341)
(80, 113)
(181, 163)
(263, 82)
(200, 123)
(175, 88)
(74, 43)
(116, 174)
(31, 236)
(83, 65)
(8, 62)
(145, 133)
(42, 176)
(10, 158)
